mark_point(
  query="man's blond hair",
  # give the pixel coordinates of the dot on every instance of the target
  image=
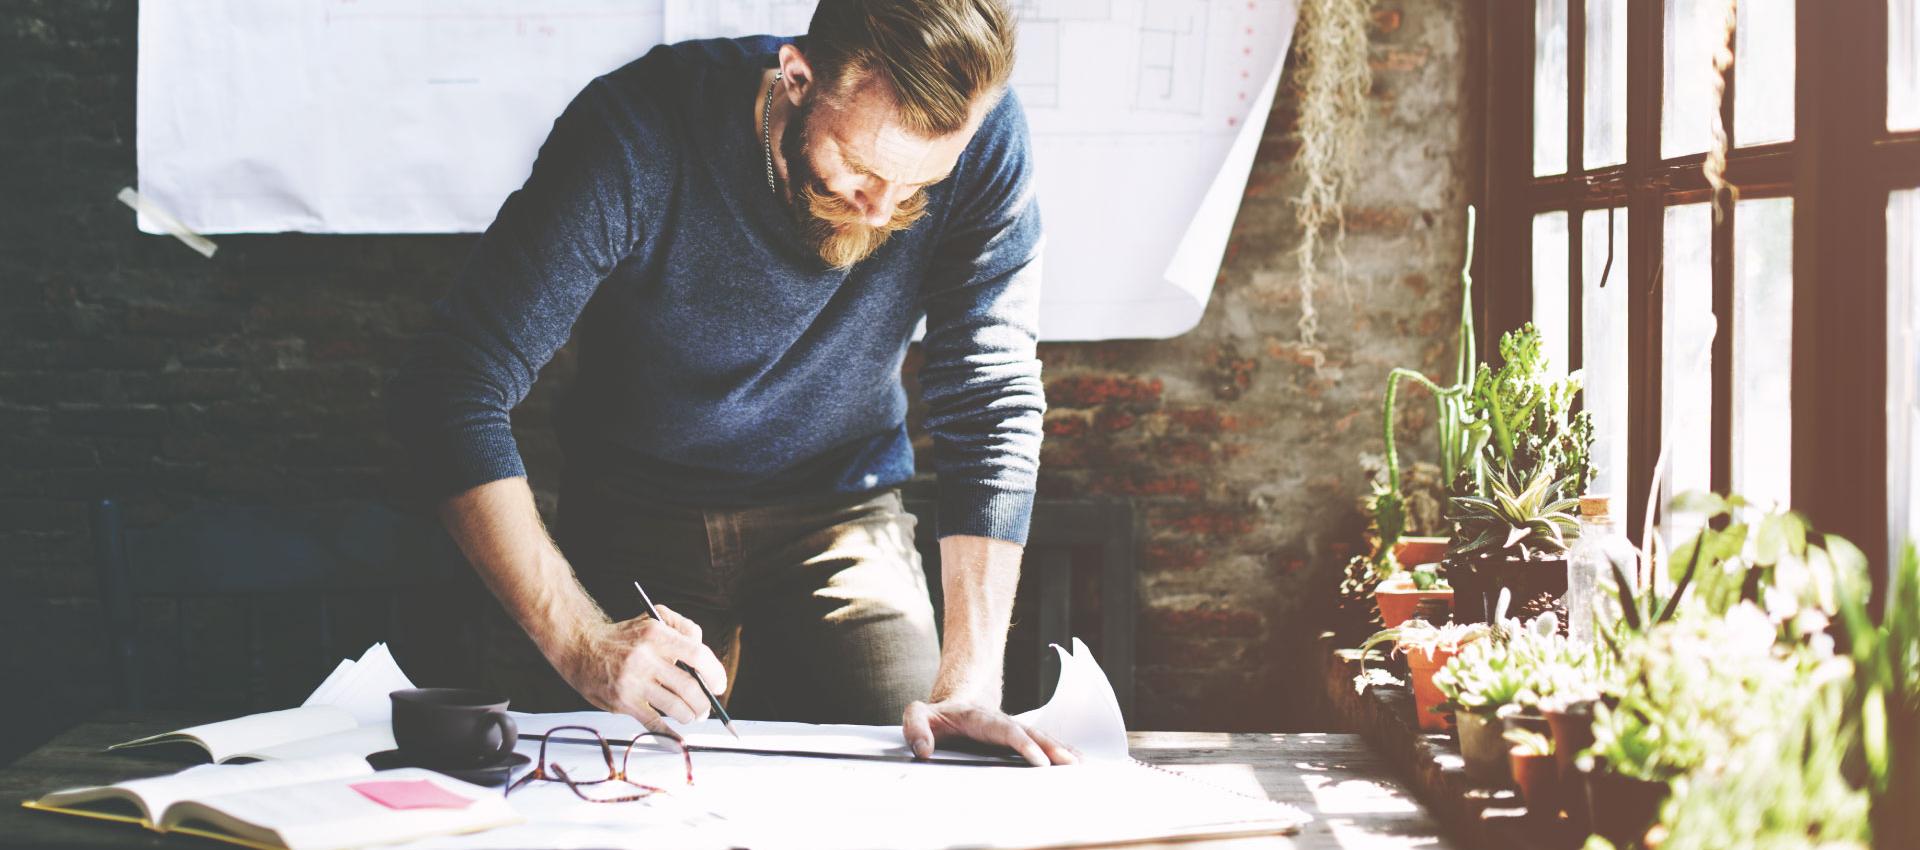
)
(937, 57)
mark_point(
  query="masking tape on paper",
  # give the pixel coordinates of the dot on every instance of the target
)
(172, 225)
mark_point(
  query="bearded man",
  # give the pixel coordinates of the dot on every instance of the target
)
(744, 234)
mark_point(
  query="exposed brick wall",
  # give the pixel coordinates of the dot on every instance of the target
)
(130, 366)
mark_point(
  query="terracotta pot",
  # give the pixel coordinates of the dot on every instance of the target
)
(1537, 586)
(1420, 668)
(1414, 551)
(1396, 606)
(1572, 727)
(1623, 808)
(1539, 781)
(1483, 748)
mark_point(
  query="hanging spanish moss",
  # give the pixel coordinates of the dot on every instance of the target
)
(1715, 165)
(1332, 80)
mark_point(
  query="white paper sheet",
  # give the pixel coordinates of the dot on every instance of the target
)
(885, 800)
(361, 116)
(361, 687)
(1145, 117)
(421, 116)
(1083, 714)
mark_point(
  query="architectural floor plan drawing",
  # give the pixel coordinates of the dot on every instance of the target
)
(421, 116)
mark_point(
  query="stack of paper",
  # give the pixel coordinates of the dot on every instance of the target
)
(348, 714)
(361, 687)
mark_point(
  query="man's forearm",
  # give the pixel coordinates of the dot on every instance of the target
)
(498, 528)
(979, 576)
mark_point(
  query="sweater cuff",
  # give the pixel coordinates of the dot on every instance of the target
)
(464, 459)
(981, 511)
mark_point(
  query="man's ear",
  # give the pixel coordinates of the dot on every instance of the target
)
(796, 74)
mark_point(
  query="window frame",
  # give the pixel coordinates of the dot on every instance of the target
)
(1839, 168)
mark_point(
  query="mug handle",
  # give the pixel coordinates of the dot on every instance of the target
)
(509, 735)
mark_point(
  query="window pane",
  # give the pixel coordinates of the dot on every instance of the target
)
(1686, 110)
(1603, 344)
(1763, 94)
(1762, 348)
(1549, 87)
(1903, 366)
(1903, 64)
(1606, 110)
(1686, 369)
(1550, 286)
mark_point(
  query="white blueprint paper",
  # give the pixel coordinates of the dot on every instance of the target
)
(1145, 117)
(421, 116)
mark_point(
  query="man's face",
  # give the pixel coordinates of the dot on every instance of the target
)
(857, 174)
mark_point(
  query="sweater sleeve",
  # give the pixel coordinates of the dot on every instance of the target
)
(981, 378)
(514, 303)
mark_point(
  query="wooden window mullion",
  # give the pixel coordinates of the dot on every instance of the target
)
(1646, 225)
(1721, 462)
(1839, 475)
(1576, 169)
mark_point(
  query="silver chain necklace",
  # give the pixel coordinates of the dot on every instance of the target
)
(766, 132)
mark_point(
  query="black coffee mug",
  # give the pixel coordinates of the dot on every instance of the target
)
(452, 727)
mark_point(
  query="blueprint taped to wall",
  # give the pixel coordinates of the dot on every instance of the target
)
(421, 116)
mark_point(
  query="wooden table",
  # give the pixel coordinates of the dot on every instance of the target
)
(1334, 777)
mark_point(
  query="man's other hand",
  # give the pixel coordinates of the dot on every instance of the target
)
(629, 668)
(927, 724)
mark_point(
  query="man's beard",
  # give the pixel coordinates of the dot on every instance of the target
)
(836, 228)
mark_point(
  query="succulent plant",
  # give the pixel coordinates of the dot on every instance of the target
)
(1523, 521)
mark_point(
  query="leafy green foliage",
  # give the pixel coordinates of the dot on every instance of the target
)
(1885, 698)
(1522, 521)
(1453, 423)
(1522, 665)
(1524, 418)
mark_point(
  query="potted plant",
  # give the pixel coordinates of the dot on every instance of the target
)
(1427, 648)
(1399, 594)
(1514, 539)
(1405, 509)
(1530, 757)
(1477, 683)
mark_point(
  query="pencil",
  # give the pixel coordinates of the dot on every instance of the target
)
(715, 701)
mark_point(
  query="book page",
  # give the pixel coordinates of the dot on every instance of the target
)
(330, 815)
(359, 742)
(154, 795)
(229, 738)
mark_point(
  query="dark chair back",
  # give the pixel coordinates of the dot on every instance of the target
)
(1077, 578)
(228, 606)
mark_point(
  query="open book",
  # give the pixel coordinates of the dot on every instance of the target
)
(348, 714)
(299, 804)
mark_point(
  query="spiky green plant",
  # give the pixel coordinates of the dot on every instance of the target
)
(1523, 522)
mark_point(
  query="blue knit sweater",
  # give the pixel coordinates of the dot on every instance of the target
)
(721, 363)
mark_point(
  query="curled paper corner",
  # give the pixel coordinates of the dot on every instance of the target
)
(166, 221)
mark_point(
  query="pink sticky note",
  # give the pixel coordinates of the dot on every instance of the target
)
(411, 794)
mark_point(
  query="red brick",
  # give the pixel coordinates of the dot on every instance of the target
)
(1066, 425)
(1113, 420)
(1143, 483)
(1386, 20)
(1173, 557)
(1205, 420)
(1204, 621)
(1396, 59)
(1096, 390)
(1211, 522)
(1175, 451)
